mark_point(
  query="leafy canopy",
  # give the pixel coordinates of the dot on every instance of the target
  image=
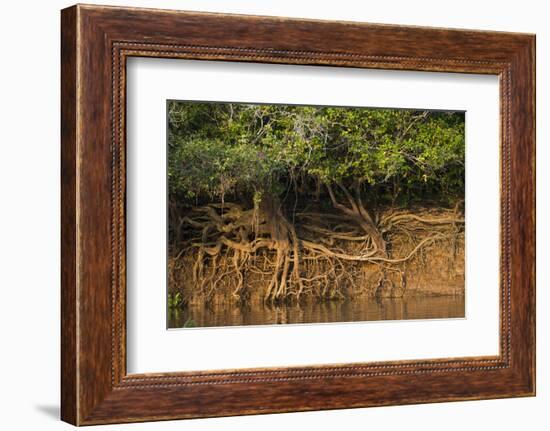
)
(221, 148)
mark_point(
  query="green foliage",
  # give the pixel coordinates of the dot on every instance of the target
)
(190, 323)
(221, 148)
(175, 300)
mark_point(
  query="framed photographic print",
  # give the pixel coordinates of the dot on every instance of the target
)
(265, 214)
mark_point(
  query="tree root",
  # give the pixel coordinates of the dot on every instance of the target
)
(237, 250)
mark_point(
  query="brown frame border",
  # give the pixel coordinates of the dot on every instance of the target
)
(95, 43)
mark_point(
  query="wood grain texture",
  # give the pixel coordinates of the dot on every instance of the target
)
(69, 366)
(96, 41)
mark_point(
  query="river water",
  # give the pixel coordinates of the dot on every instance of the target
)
(356, 310)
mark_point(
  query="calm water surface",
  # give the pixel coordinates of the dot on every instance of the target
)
(357, 310)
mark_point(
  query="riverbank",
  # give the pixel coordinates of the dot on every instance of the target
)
(434, 270)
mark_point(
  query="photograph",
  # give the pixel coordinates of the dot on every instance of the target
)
(275, 209)
(295, 214)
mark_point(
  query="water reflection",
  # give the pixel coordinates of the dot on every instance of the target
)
(359, 309)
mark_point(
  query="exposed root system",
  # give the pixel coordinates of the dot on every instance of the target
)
(231, 250)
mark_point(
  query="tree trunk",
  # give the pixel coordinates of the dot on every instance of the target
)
(357, 212)
(286, 243)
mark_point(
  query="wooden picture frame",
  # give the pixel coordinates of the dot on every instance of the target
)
(95, 43)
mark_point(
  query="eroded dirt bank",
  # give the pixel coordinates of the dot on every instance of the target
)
(236, 257)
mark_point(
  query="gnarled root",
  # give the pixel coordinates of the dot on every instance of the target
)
(323, 255)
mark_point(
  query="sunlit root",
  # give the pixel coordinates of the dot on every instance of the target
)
(237, 250)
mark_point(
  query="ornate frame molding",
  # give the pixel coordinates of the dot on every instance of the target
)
(96, 41)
